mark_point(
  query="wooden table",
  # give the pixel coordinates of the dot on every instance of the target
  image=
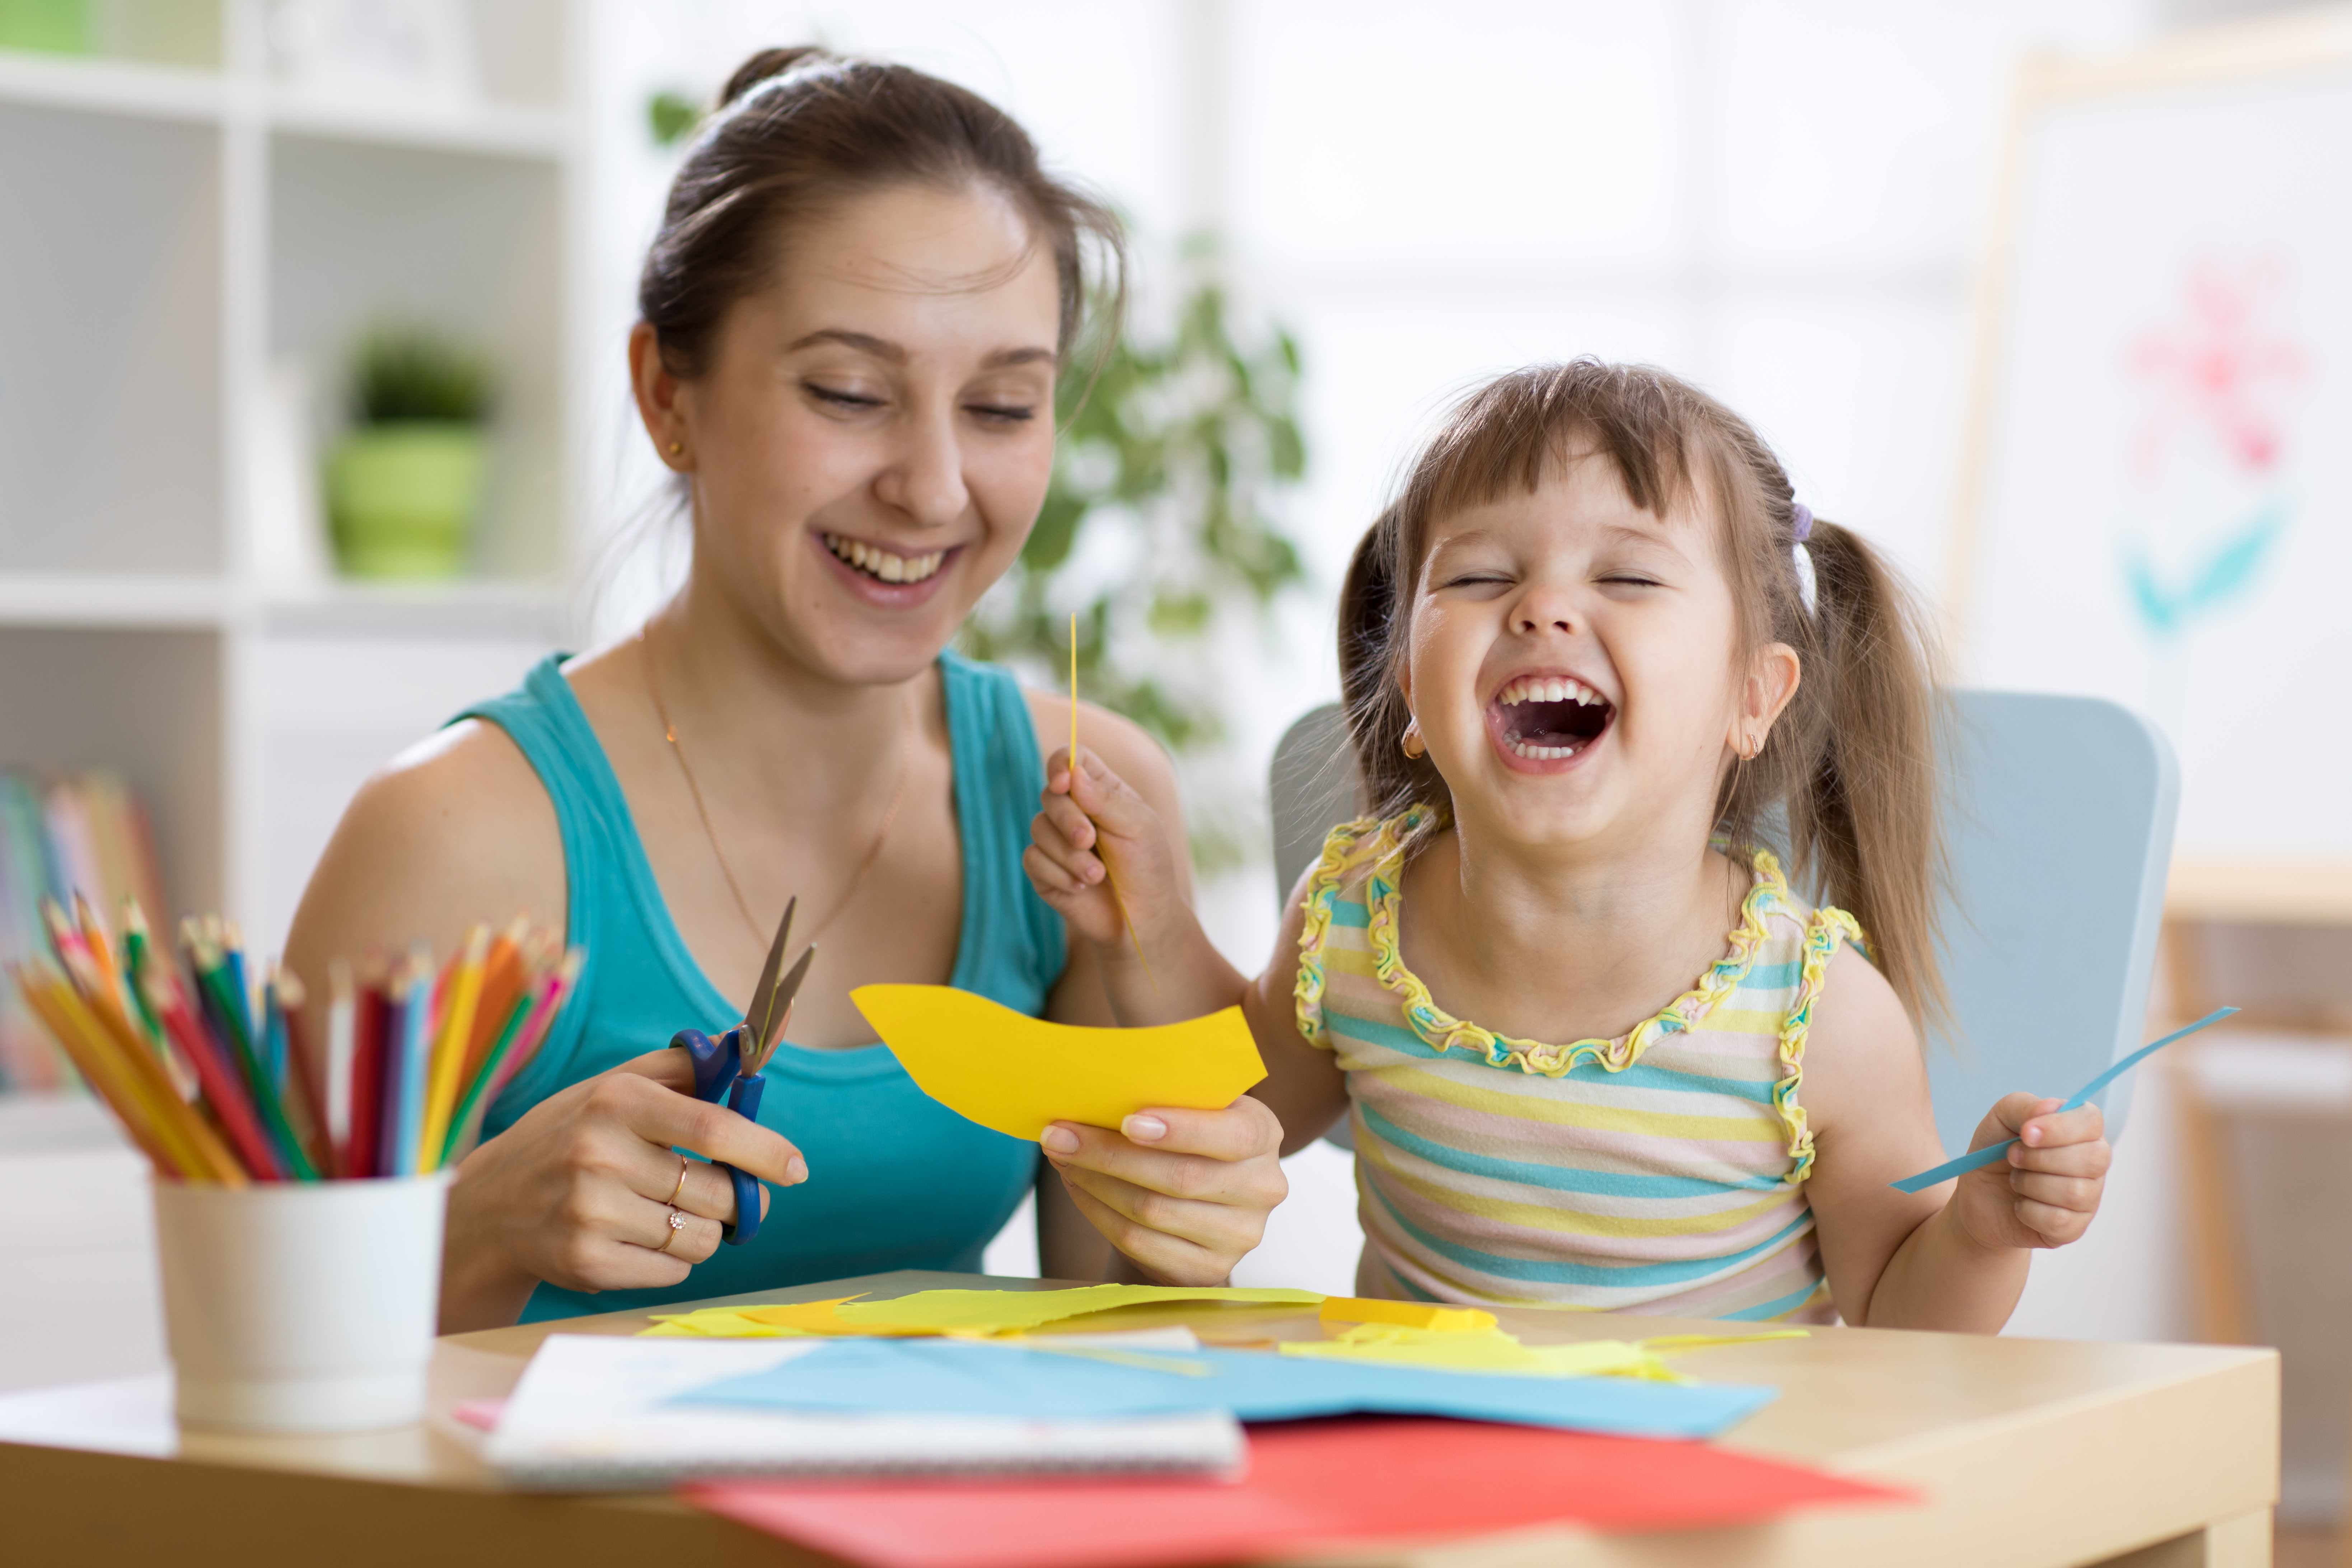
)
(2028, 1452)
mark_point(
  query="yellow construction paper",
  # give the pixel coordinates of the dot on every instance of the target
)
(1406, 1314)
(1498, 1351)
(964, 1312)
(1008, 1071)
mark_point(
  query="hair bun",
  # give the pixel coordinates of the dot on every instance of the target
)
(765, 64)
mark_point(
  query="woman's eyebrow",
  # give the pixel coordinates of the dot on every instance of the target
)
(884, 349)
(864, 342)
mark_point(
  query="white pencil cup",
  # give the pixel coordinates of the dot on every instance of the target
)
(301, 1306)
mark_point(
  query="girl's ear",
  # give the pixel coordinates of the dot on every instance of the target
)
(1772, 680)
(659, 399)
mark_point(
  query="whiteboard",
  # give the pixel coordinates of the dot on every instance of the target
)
(2157, 506)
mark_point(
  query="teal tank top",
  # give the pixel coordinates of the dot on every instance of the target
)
(896, 1180)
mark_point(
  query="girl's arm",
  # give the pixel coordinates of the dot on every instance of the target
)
(1954, 1256)
(1181, 1194)
(1303, 1082)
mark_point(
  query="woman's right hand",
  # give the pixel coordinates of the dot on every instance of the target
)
(578, 1192)
(1092, 834)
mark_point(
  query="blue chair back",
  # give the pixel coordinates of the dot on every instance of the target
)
(2059, 817)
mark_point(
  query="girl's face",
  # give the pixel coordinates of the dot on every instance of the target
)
(1571, 665)
(874, 434)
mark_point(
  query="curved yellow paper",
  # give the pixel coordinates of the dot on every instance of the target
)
(1006, 1071)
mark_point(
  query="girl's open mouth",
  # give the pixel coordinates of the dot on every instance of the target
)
(1550, 718)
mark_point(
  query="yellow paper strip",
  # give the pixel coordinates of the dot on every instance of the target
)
(1015, 1073)
(952, 1311)
(1406, 1314)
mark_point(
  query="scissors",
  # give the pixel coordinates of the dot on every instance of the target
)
(731, 1064)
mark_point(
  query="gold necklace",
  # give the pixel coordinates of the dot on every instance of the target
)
(669, 734)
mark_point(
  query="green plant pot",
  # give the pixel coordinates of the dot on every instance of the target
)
(52, 27)
(402, 499)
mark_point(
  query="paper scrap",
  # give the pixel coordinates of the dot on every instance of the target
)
(1978, 1158)
(1498, 1351)
(956, 1377)
(1015, 1073)
(1310, 1489)
(1406, 1314)
(963, 1312)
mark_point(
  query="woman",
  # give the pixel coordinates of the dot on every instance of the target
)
(853, 316)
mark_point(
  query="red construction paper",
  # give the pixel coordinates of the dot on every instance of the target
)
(1312, 1484)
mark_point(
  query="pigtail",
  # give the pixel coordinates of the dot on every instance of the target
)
(1370, 655)
(1854, 761)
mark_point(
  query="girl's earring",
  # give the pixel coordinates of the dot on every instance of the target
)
(1412, 745)
(677, 448)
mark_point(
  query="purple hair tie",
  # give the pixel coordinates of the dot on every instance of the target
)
(1801, 560)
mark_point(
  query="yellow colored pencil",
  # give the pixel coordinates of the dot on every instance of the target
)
(449, 1051)
(181, 1123)
(54, 1002)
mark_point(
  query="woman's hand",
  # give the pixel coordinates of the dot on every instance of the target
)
(2049, 1189)
(1182, 1193)
(578, 1192)
(1091, 831)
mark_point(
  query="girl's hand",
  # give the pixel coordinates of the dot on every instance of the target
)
(578, 1192)
(2047, 1193)
(1090, 831)
(1182, 1193)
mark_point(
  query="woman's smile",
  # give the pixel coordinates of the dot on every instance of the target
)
(881, 575)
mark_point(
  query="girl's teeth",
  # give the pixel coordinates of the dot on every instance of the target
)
(1539, 753)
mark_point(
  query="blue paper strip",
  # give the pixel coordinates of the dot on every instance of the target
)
(943, 1377)
(1978, 1158)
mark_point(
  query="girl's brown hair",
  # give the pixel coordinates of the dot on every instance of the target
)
(799, 130)
(1847, 781)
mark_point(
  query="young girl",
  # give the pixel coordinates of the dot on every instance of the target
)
(1596, 658)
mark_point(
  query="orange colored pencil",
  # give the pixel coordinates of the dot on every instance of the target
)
(47, 995)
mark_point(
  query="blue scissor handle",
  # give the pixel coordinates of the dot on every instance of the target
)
(719, 1071)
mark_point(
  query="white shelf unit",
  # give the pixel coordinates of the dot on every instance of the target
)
(174, 233)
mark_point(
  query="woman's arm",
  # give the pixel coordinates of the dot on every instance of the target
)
(458, 830)
(1955, 1257)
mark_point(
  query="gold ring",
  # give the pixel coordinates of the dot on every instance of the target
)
(684, 1165)
(676, 1224)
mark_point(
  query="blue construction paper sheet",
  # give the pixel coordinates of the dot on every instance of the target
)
(946, 1377)
(1979, 1158)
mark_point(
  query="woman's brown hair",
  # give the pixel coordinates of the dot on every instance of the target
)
(1847, 781)
(799, 130)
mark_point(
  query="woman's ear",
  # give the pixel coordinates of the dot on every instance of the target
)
(660, 394)
(1772, 680)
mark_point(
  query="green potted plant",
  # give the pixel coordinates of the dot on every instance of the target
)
(403, 488)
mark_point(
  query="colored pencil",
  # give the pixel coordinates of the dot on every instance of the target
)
(454, 1040)
(216, 1083)
(223, 1089)
(342, 1033)
(367, 1074)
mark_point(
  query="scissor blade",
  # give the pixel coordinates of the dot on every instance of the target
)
(785, 992)
(759, 1010)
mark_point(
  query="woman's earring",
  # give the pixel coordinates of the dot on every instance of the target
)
(676, 447)
(1412, 745)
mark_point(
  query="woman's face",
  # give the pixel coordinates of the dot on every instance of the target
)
(1570, 664)
(874, 434)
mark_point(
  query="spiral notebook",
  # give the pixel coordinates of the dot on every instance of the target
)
(598, 1413)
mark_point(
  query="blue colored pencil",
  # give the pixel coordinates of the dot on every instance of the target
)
(415, 1062)
(393, 1056)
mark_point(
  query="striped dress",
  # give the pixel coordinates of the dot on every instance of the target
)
(1662, 1172)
